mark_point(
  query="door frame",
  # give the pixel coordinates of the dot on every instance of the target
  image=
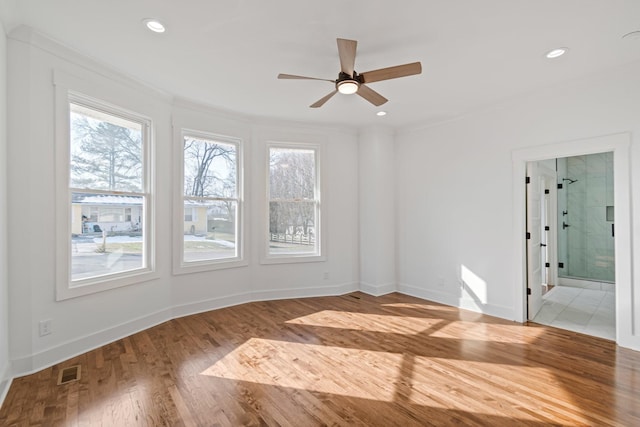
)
(545, 178)
(551, 208)
(619, 144)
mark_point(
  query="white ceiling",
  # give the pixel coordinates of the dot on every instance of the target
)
(227, 53)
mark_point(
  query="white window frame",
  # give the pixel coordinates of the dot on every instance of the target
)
(179, 264)
(318, 255)
(70, 89)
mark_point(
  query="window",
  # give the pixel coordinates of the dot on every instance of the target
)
(104, 183)
(211, 190)
(294, 202)
(103, 207)
(108, 186)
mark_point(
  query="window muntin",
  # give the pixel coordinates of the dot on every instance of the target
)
(294, 203)
(108, 193)
(211, 198)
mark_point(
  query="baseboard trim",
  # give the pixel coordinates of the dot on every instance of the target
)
(276, 294)
(428, 294)
(456, 301)
(377, 290)
(5, 384)
(76, 347)
(210, 304)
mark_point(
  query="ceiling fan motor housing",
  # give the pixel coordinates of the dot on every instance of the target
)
(347, 84)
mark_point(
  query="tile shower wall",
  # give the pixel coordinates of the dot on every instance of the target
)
(588, 239)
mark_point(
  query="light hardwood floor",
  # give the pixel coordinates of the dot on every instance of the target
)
(348, 360)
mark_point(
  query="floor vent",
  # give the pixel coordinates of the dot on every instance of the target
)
(70, 374)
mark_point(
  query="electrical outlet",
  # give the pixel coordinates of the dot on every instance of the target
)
(325, 276)
(45, 327)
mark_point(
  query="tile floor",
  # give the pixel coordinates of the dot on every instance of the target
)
(589, 311)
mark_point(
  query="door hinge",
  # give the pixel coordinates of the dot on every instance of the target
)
(561, 265)
(528, 291)
(546, 264)
(528, 235)
(547, 228)
(559, 186)
(543, 245)
(527, 180)
(546, 191)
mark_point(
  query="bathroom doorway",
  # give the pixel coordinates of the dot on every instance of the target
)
(626, 300)
(571, 232)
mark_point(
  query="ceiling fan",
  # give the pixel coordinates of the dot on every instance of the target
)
(349, 81)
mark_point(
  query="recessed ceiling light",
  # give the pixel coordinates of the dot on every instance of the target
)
(381, 113)
(632, 35)
(556, 53)
(154, 25)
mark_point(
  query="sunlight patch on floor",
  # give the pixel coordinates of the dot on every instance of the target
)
(446, 383)
(489, 332)
(303, 366)
(367, 322)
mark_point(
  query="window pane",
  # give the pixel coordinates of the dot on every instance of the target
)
(106, 151)
(292, 173)
(292, 227)
(209, 168)
(104, 240)
(210, 232)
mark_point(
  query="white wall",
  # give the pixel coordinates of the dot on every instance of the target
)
(377, 210)
(82, 323)
(455, 189)
(4, 284)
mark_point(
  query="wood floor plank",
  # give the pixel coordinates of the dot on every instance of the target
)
(347, 360)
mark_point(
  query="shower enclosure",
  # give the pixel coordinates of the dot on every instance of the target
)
(586, 228)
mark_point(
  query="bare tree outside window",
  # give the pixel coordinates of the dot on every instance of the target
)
(105, 155)
(210, 189)
(209, 168)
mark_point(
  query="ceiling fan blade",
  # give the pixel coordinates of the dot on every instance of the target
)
(392, 72)
(321, 101)
(371, 95)
(291, 76)
(347, 52)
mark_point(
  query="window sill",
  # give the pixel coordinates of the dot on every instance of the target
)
(292, 259)
(68, 291)
(203, 266)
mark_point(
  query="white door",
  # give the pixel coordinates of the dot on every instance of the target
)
(549, 224)
(534, 239)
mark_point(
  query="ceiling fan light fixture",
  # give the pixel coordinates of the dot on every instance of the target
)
(348, 87)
